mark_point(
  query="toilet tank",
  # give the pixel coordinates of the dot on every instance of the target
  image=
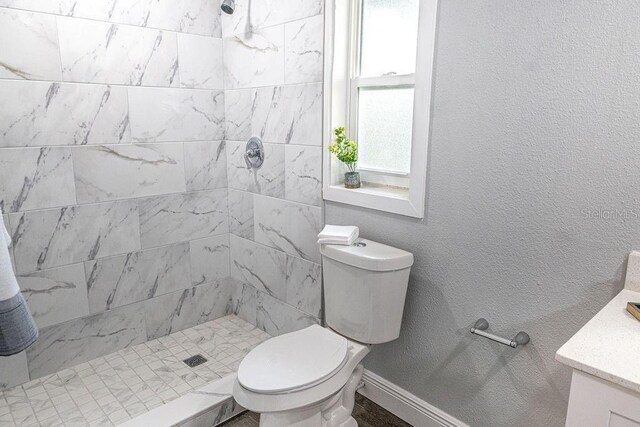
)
(365, 285)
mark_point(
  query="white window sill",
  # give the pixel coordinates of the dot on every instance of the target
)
(383, 198)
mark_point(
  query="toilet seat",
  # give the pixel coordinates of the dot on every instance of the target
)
(293, 361)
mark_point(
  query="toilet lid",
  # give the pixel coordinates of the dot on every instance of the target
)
(293, 361)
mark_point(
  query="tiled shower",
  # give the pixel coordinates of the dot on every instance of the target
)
(122, 179)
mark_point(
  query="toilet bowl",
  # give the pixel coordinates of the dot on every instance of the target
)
(300, 378)
(309, 377)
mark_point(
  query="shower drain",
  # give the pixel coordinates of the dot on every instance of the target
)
(194, 361)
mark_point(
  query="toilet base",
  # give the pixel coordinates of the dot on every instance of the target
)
(335, 411)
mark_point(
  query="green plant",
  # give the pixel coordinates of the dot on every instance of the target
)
(345, 150)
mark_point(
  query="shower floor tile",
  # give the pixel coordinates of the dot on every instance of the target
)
(109, 390)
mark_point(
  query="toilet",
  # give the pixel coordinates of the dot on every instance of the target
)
(309, 377)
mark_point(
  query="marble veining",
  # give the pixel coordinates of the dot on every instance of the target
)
(14, 372)
(179, 310)
(124, 279)
(188, 16)
(304, 285)
(182, 217)
(205, 165)
(96, 52)
(80, 340)
(251, 15)
(244, 301)
(241, 213)
(260, 266)
(285, 277)
(290, 227)
(56, 295)
(269, 179)
(201, 64)
(303, 174)
(304, 44)
(166, 115)
(254, 59)
(275, 317)
(29, 46)
(143, 170)
(54, 237)
(62, 114)
(36, 178)
(238, 114)
(209, 259)
(288, 114)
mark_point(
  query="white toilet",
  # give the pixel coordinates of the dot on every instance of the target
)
(309, 377)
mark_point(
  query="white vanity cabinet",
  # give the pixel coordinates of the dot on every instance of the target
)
(596, 402)
(605, 357)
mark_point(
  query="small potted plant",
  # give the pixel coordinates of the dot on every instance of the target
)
(346, 151)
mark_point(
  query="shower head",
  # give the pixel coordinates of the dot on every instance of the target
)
(228, 6)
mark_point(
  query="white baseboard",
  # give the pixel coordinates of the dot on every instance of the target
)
(405, 405)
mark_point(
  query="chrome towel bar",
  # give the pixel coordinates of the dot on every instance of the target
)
(481, 325)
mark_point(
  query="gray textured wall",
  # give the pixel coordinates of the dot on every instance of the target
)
(535, 119)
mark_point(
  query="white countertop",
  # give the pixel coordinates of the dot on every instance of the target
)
(608, 346)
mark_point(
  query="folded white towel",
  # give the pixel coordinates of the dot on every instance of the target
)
(338, 235)
(8, 283)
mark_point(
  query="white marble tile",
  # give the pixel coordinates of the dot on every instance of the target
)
(124, 279)
(14, 370)
(189, 16)
(183, 217)
(260, 266)
(54, 237)
(143, 170)
(29, 46)
(288, 114)
(238, 114)
(244, 301)
(179, 310)
(209, 259)
(241, 213)
(62, 114)
(165, 115)
(304, 44)
(251, 14)
(201, 62)
(7, 224)
(269, 179)
(56, 295)
(205, 165)
(70, 343)
(36, 178)
(186, 16)
(276, 317)
(288, 226)
(254, 59)
(303, 176)
(304, 285)
(98, 52)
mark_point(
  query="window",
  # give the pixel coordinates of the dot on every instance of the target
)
(379, 59)
(382, 86)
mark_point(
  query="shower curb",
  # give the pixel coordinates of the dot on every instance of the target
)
(209, 405)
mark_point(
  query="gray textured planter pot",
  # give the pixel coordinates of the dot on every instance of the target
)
(352, 180)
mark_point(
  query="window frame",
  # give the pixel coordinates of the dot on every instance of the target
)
(341, 85)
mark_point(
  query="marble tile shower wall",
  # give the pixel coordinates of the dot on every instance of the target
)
(273, 67)
(113, 172)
